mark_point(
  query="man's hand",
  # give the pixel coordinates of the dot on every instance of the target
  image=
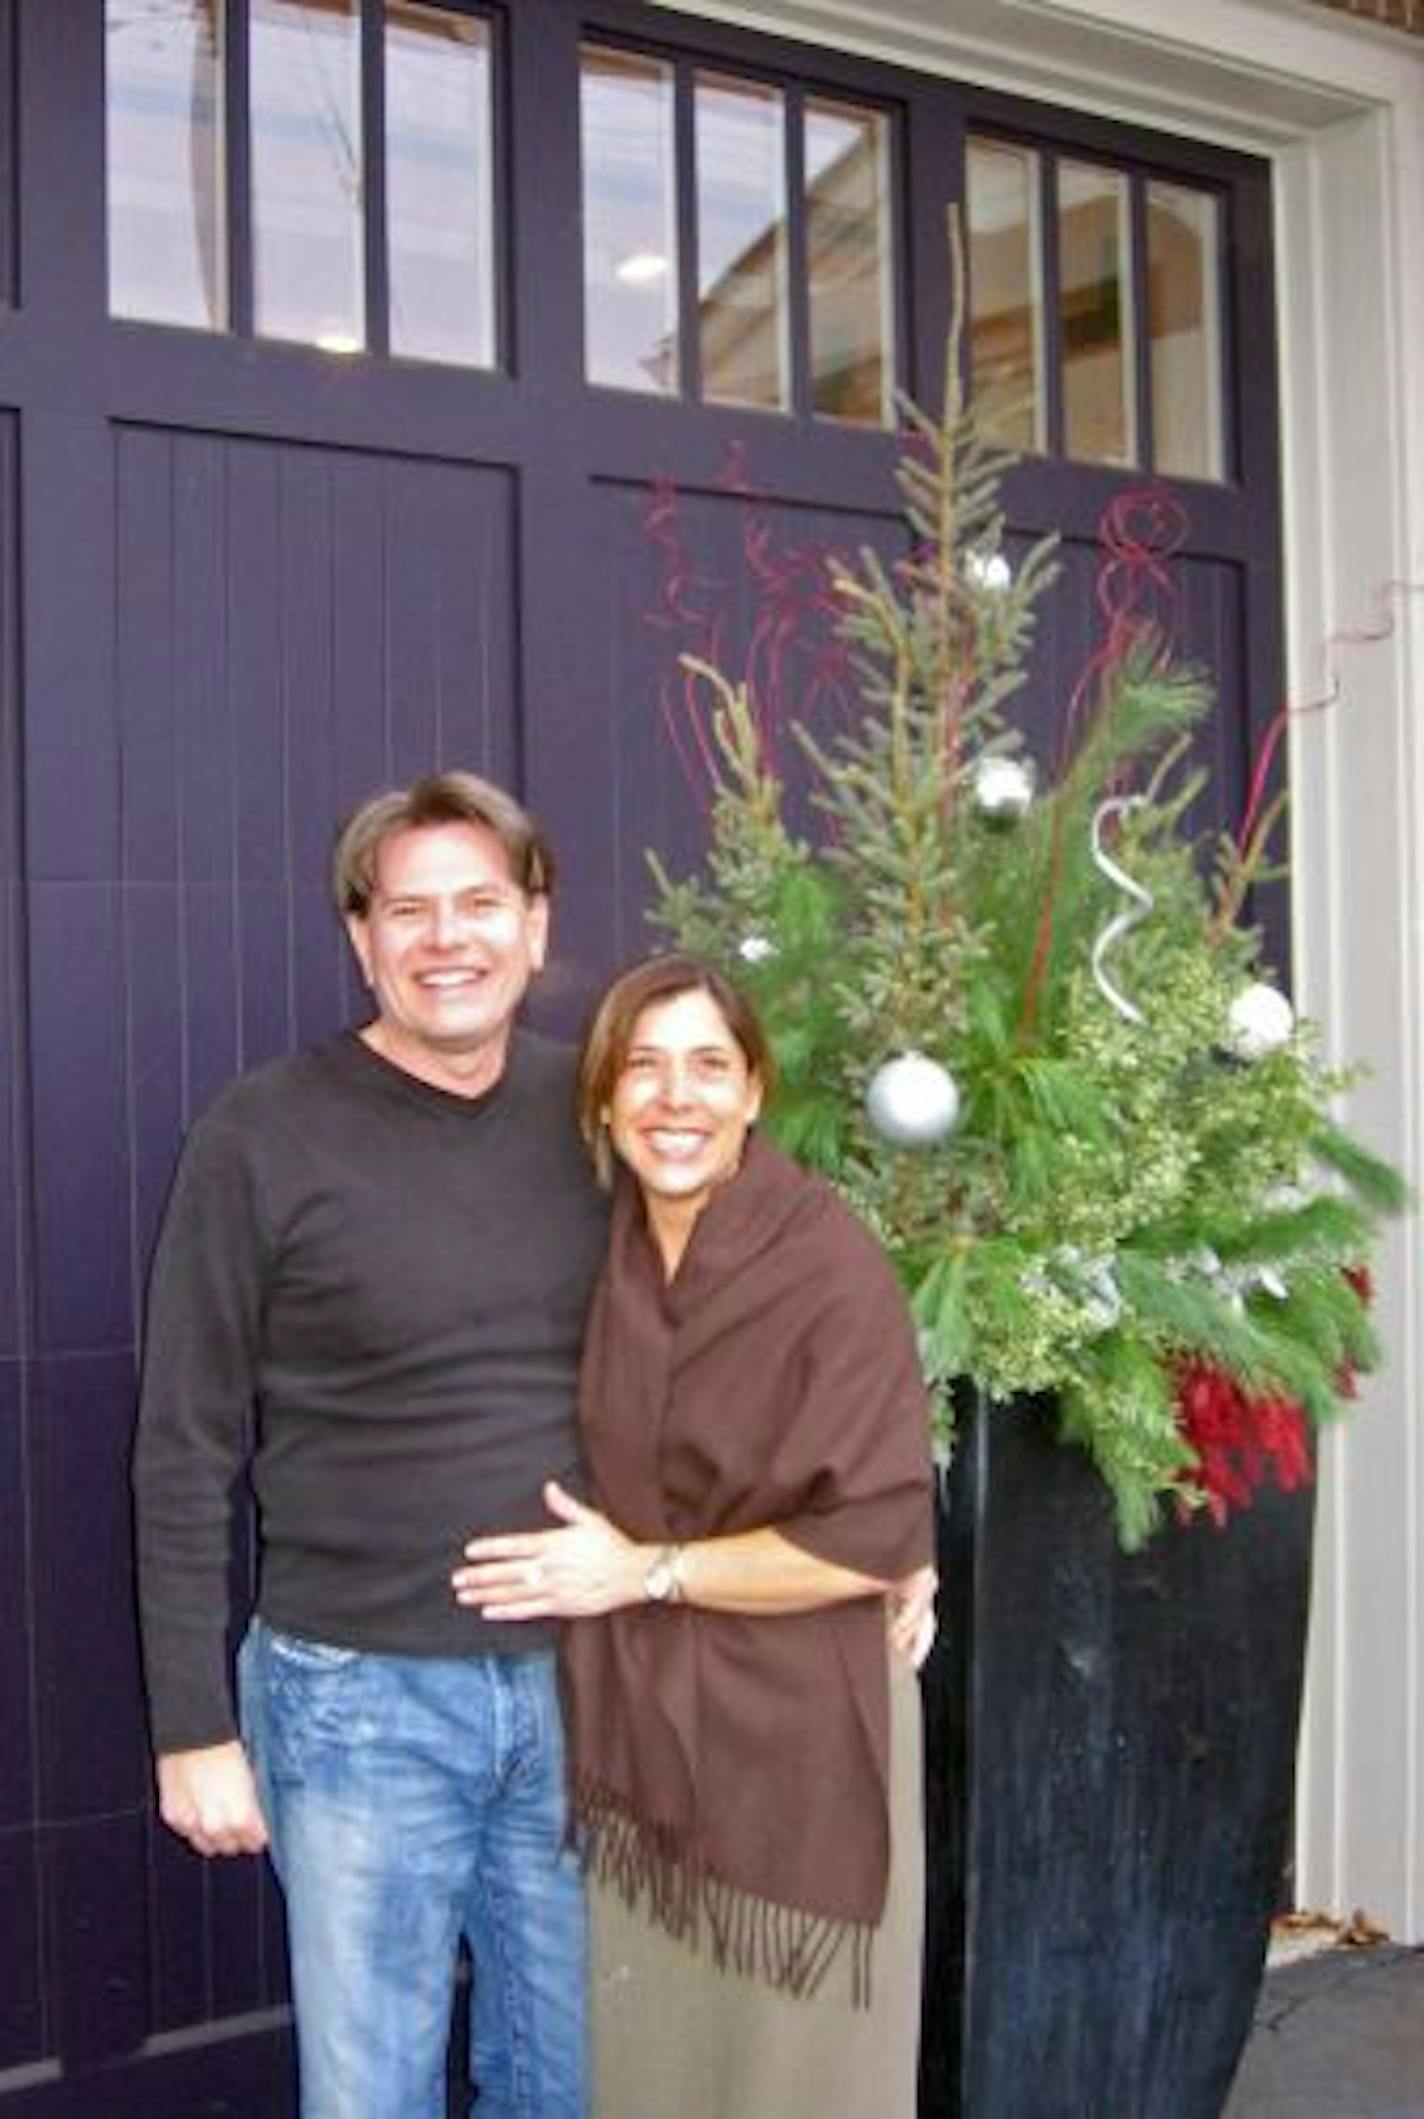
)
(911, 1615)
(209, 1798)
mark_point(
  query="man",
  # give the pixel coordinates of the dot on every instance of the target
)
(369, 1291)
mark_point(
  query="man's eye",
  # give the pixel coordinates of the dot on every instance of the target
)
(480, 907)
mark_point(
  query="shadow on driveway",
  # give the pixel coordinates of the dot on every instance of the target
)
(1338, 2036)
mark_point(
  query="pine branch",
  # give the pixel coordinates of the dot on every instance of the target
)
(1378, 1187)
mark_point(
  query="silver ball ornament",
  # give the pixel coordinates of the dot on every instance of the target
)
(1002, 788)
(1259, 1021)
(912, 1101)
(989, 570)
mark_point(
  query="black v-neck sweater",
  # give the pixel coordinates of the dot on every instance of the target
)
(373, 1293)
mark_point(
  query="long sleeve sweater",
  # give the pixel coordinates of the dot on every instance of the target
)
(370, 1295)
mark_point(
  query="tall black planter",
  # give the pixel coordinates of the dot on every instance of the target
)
(1110, 1748)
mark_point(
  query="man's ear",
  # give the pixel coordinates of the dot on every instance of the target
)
(359, 936)
(536, 928)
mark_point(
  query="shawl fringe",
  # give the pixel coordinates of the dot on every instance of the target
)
(652, 1869)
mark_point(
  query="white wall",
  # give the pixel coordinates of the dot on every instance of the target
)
(1340, 108)
(1354, 500)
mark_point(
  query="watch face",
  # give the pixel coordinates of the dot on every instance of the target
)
(657, 1582)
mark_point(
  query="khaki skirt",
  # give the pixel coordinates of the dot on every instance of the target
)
(675, 2038)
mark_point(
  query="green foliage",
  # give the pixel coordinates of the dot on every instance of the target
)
(1119, 1194)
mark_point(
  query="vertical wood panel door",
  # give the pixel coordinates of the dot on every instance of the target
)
(245, 580)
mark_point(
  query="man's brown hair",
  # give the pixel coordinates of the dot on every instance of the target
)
(440, 798)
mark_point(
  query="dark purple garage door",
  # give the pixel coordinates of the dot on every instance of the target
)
(247, 573)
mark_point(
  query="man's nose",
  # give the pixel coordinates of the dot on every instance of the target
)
(446, 926)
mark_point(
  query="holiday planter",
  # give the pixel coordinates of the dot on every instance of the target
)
(1110, 1745)
(1021, 1019)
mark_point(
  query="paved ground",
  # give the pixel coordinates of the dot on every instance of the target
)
(1338, 2036)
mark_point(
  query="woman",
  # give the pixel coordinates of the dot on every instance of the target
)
(745, 1744)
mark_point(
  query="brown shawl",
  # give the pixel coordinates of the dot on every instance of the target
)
(727, 1769)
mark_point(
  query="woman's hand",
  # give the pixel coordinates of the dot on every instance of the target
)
(584, 1568)
(911, 1609)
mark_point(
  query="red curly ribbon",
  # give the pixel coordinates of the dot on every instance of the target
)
(1375, 628)
(795, 604)
(1141, 533)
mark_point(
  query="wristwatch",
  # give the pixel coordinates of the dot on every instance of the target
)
(662, 1584)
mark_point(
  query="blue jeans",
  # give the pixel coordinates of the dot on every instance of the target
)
(411, 1800)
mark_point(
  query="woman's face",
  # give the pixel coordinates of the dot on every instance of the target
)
(683, 1101)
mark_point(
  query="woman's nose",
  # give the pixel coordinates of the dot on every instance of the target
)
(676, 1083)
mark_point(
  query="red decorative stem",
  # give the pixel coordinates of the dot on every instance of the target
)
(1239, 1440)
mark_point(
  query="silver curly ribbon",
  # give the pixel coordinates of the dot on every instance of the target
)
(1130, 916)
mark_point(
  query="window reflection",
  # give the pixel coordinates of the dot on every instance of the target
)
(1183, 277)
(164, 147)
(439, 185)
(848, 263)
(1095, 314)
(1006, 294)
(741, 243)
(629, 221)
(307, 250)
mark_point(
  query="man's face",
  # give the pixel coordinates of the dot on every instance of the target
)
(448, 946)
